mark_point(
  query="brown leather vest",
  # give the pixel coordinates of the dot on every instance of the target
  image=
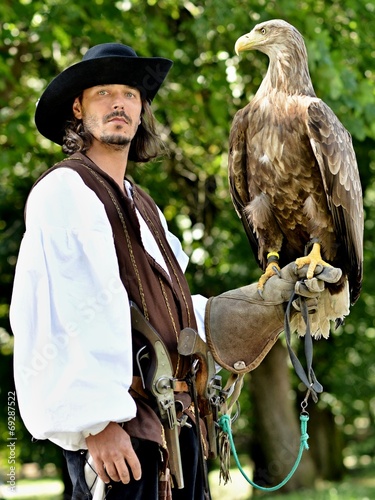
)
(164, 299)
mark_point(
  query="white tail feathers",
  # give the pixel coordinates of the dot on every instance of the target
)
(330, 308)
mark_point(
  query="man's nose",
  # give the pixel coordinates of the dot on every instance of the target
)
(118, 101)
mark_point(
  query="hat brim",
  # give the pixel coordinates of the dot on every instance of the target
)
(55, 105)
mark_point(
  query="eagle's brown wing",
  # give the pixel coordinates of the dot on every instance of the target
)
(332, 146)
(237, 172)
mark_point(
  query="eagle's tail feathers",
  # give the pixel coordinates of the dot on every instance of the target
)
(331, 307)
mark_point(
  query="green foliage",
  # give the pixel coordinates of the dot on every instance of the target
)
(206, 86)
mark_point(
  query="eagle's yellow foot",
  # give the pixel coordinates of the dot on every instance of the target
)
(313, 259)
(272, 269)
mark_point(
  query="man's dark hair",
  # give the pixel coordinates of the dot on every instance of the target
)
(146, 144)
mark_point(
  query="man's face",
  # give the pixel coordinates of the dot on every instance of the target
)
(111, 113)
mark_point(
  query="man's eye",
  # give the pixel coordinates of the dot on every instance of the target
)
(102, 92)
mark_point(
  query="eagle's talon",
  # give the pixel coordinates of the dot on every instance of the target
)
(272, 269)
(313, 259)
(277, 270)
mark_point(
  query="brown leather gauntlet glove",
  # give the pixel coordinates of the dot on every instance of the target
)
(241, 327)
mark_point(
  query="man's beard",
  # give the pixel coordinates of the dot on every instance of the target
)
(113, 140)
(118, 140)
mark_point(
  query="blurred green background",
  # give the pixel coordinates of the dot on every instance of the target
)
(206, 86)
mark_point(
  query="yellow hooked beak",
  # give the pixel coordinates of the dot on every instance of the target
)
(247, 42)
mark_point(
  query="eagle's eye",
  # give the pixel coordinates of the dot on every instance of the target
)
(263, 31)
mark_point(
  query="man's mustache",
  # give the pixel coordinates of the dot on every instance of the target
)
(118, 114)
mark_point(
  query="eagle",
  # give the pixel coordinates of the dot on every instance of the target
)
(293, 175)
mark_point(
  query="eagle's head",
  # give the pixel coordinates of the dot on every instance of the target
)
(271, 37)
(288, 70)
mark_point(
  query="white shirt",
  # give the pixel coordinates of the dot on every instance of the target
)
(70, 315)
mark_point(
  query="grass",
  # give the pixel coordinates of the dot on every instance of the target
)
(358, 485)
(33, 489)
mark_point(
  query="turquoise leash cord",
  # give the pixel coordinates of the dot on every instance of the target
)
(225, 425)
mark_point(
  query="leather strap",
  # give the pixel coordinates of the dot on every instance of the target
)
(201, 456)
(309, 378)
(181, 386)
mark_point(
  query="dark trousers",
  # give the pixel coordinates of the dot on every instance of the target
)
(147, 487)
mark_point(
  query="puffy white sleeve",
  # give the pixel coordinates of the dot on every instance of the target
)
(70, 316)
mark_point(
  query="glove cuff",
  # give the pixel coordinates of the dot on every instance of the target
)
(241, 329)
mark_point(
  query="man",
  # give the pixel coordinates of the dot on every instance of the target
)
(93, 243)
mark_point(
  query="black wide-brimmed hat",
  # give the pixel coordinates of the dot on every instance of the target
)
(107, 63)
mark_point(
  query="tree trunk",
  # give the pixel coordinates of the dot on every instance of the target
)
(277, 429)
(326, 444)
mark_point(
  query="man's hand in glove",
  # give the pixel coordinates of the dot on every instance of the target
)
(293, 278)
(241, 326)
